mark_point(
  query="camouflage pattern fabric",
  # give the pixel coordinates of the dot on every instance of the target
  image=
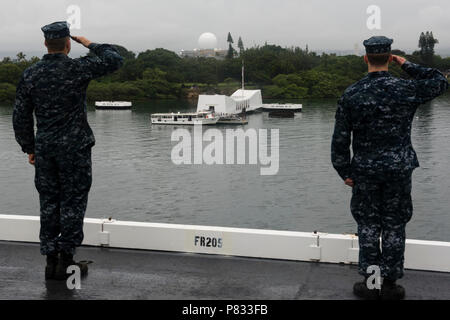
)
(383, 209)
(375, 116)
(379, 110)
(55, 90)
(63, 182)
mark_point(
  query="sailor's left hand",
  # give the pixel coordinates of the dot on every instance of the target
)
(31, 159)
(349, 182)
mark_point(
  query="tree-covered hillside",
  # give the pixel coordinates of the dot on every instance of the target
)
(282, 73)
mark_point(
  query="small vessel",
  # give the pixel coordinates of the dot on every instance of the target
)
(282, 106)
(232, 119)
(203, 118)
(113, 105)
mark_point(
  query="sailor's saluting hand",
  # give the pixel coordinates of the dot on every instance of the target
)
(85, 42)
(398, 60)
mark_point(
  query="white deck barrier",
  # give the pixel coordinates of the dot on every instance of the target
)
(286, 245)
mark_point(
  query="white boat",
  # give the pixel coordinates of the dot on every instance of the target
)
(113, 105)
(232, 119)
(282, 106)
(192, 118)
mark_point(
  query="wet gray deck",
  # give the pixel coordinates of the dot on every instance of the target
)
(135, 274)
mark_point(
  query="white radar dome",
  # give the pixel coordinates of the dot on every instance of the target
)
(207, 40)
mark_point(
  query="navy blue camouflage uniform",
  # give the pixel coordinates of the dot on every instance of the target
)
(379, 110)
(55, 90)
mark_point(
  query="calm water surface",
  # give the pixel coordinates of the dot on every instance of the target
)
(135, 179)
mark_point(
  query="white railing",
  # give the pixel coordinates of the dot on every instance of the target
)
(286, 245)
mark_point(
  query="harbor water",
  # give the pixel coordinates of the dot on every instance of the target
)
(135, 178)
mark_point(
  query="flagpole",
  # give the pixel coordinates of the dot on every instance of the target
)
(242, 78)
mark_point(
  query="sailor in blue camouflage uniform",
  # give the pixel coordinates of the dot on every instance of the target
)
(55, 90)
(378, 111)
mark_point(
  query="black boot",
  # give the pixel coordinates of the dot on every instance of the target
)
(392, 291)
(64, 262)
(50, 268)
(360, 290)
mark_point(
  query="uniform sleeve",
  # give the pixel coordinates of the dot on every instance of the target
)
(429, 83)
(107, 60)
(23, 121)
(340, 144)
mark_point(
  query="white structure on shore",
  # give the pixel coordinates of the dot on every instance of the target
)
(204, 53)
(207, 43)
(207, 40)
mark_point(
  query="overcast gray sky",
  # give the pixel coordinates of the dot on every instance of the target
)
(177, 24)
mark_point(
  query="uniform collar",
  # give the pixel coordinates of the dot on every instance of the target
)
(54, 56)
(378, 74)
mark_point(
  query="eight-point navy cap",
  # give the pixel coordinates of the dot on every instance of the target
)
(378, 44)
(56, 30)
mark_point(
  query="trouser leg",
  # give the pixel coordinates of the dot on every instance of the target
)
(365, 208)
(397, 211)
(76, 180)
(48, 186)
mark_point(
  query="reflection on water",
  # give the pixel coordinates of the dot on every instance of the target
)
(134, 178)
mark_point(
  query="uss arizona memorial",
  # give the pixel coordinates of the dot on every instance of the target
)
(240, 101)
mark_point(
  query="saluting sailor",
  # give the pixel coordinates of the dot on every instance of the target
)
(55, 90)
(379, 110)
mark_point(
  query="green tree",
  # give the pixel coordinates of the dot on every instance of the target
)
(10, 73)
(398, 52)
(282, 73)
(154, 74)
(288, 87)
(127, 55)
(7, 92)
(426, 45)
(155, 82)
(131, 70)
(21, 57)
(230, 38)
(230, 53)
(6, 60)
(240, 46)
(113, 91)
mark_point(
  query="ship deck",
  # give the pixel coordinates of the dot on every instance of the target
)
(139, 274)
